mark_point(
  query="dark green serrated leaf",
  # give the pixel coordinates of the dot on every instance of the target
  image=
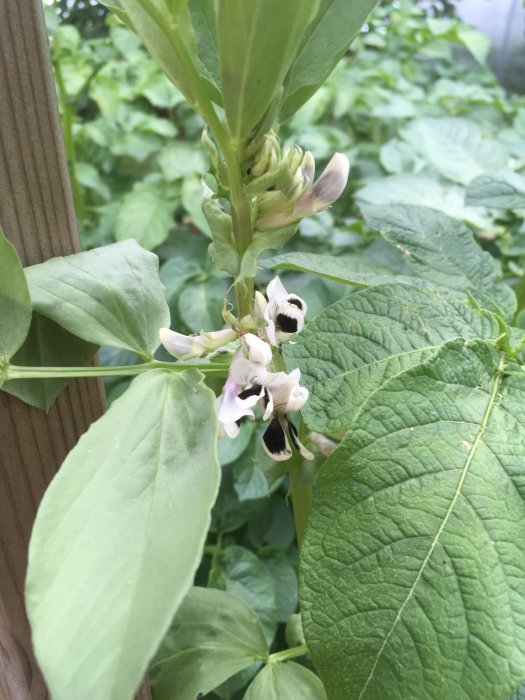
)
(441, 250)
(505, 190)
(47, 345)
(109, 296)
(15, 303)
(359, 342)
(285, 681)
(119, 535)
(327, 39)
(213, 636)
(415, 550)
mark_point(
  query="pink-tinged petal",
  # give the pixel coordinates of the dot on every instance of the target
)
(243, 372)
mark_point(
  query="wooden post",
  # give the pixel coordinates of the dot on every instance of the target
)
(37, 215)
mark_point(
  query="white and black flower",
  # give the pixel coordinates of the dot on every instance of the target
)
(283, 313)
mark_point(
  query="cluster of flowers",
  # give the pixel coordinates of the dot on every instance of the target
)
(250, 382)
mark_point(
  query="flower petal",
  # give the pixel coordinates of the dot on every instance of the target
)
(275, 291)
(258, 351)
(275, 442)
(250, 396)
(183, 347)
(297, 443)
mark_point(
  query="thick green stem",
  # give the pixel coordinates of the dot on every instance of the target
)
(286, 654)
(302, 496)
(17, 372)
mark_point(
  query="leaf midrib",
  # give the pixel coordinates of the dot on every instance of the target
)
(488, 410)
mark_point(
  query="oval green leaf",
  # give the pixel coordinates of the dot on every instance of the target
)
(108, 296)
(213, 636)
(285, 681)
(415, 552)
(119, 535)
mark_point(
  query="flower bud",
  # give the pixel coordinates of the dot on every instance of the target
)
(319, 196)
(185, 347)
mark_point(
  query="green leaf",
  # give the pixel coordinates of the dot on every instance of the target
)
(145, 215)
(286, 681)
(415, 550)
(166, 30)
(192, 202)
(458, 148)
(119, 535)
(108, 296)
(505, 190)
(422, 190)
(328, 38)
(249, 579)
(441, 250)
(200, 304)
(349, 269)
(213, 636)
(205, 30)
(47, 345)
(15, 303)
(261, 241)
(223, 250)
(355, 345)
(519, 693)
(257, 41)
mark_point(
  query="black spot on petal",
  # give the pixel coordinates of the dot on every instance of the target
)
(286, 323)
(274, 437)
(296, 302)
(253, 390)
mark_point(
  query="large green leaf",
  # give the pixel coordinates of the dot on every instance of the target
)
(214, 635)
(442, 251)
(349, 269)
(285, 681)
(458, 148)
(109, 296)
(355, 345)
(331, 32)
(505, 190)
(119, 535)
(415, 552)
(47, 345)
(258, 41)
(15, 303)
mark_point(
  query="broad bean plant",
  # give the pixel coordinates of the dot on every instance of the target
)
(409, 392)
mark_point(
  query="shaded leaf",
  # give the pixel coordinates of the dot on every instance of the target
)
(15, 303)
(213, 636)
(285, 681)
(47, 345)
